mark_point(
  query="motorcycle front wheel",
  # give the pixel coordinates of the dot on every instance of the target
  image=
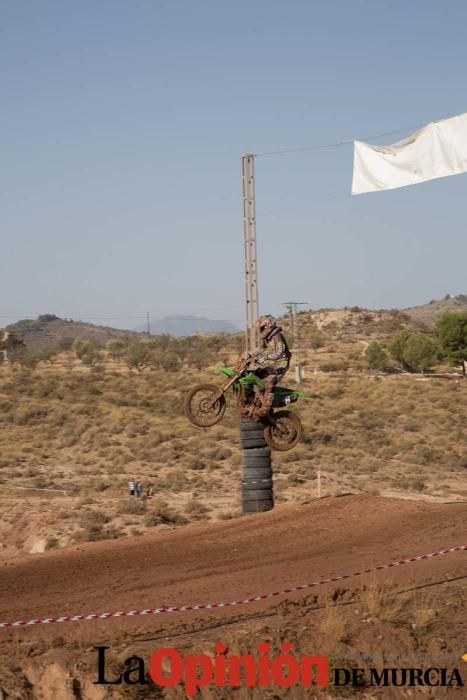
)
(284, 431)
(199, 408)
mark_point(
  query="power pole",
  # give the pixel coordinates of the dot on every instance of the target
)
(292, 309)
(249, 231)
(148, 324)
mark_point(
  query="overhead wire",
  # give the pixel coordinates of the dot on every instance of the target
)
(345, 142)
(320, 147)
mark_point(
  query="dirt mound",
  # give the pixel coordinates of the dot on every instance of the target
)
(222, 562)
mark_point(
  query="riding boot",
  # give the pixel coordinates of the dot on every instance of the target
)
(267, 400)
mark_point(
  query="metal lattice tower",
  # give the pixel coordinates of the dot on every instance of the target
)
(249, 230)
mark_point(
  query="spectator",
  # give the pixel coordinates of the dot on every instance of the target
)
(149, 491)
(131, 487)
(139, 489)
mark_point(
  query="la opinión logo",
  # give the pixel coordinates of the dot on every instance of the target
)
(222, 670)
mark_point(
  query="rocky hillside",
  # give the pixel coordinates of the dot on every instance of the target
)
(429, 313)
(350, 326)
(49, 331)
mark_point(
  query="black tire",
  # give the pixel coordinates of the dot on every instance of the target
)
(247, 477)
(285, 432)
(257, 495)
(258, 452)
(258, 434)
(196, 409)
(257, 441)
(257, 506)
(247, 426)
(257, 473)
(253, 462)
(249, 485)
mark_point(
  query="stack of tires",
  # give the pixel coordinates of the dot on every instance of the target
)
(257, 485)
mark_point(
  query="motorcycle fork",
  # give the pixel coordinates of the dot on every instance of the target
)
(222, 390)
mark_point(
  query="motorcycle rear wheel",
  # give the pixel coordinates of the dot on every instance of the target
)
(284, 432)
(197, 406)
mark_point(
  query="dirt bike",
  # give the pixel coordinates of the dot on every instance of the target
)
(205, 406)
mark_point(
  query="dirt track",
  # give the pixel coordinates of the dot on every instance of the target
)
(226, 561)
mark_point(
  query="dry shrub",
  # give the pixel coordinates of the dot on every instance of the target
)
(334, 626)
(96, 532)
(195, 463)
(161, 514)
(425, 610)
(223, 453)
(90, 518)
(295, 480)
(86, 502)
(196, 509)
(174, 481)
(383, 602)
(132, 506)
(228, 515)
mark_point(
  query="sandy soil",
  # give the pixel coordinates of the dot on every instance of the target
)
(205, 563)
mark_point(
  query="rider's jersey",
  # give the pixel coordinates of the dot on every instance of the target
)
(276, 353)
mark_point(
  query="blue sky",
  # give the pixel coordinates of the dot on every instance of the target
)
(123, 123)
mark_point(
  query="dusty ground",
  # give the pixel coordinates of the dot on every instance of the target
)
(203, 563)
(86, 430)
(87, 434)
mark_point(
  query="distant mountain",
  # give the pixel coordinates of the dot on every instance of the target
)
(188, 325)
(428, 313)
(49, 330)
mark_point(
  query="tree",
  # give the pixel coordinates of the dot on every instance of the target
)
(142, 354)
(397, 346)
(47, 318)
(24, 358)
(116, 349)
(48, 354)
(451, 332)
(419, 352)
(414, 351)
(169, 362)
(376, 356)
(88, 352)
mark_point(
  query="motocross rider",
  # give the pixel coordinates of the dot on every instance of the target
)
(271, 362)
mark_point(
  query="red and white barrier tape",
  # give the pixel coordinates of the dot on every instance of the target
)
(211, 606)
(341, 483)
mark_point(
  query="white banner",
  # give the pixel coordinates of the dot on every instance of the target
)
(436, 150)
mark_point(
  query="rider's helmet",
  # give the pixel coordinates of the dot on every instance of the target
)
(266, 325)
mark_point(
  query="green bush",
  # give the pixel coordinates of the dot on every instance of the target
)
(116, 349)
(397, 346)
(420, 352)
(414, 351)
(88, 352)
(376, 356)
(451, 331)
